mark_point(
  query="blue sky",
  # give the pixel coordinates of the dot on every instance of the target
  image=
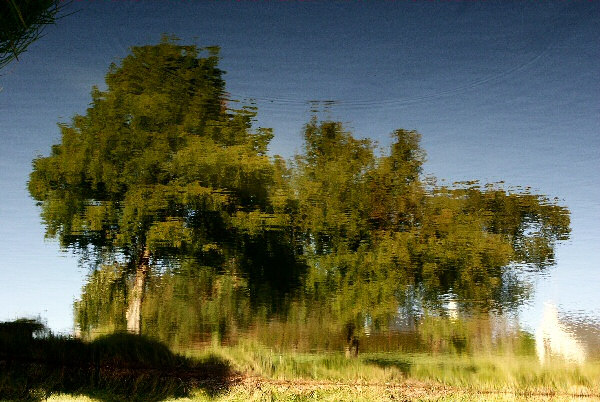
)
(499, 90)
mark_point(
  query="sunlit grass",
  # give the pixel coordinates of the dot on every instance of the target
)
(487, 372)
(521, 373)
(270, 392)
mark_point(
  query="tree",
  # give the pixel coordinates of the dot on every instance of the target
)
(158, 169)
(22, 23)
(371, 228)
(330, 181)
(352, 235)
(159, 176)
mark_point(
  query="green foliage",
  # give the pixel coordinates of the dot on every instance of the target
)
(160, 166)
(103, 300)
(330, 182)
(155, 157)
(370, 229)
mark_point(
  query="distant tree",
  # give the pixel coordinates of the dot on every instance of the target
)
(331, 184)
(370, 228)
(157, 169)
(22, 23)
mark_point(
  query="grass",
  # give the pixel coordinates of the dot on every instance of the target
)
(36, 365)
(474, 374)
(278, 392)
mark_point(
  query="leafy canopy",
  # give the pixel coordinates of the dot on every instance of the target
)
(372, 230)
(160, 165)
(157, 161)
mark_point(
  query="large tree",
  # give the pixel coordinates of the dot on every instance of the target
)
(160, 176)
(158, 168)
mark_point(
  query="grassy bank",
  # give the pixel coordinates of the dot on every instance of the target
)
(472, 373)
(37, 365)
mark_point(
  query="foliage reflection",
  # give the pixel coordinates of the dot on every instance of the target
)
(196, 233)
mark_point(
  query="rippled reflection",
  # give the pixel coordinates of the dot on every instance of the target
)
(194, 307)
(196, 235)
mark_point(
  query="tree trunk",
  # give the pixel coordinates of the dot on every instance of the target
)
(136, 297)
(351, 341)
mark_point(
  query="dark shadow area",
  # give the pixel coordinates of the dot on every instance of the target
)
(273, 270)
(35, 364)
(387, 362)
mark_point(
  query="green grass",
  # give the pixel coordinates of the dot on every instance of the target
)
(520, 373)
(123, 366)
(268, 392)
(475, 373)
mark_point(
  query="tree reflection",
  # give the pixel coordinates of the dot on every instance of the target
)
(213, 237)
